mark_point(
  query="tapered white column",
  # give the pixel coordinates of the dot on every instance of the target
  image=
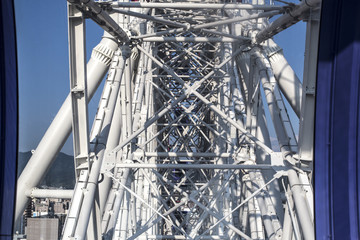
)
(285, 76)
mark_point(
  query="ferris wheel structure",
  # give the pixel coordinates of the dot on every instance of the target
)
(182, 144)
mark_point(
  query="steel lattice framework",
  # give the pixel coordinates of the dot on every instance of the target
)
(180, 146)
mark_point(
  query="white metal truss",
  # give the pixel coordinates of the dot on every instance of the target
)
(180, 146)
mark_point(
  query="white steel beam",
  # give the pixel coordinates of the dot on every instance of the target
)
(306, 132)
(151, 18)
(237, 19)
(269, 86)
(190, 39)
(102, 18)
(198, 166)
(285, 76)
(195, 5)
(51, 193)
(287, 19)
(182, 154)
(78, 87)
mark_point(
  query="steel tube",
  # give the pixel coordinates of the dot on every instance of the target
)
(195, 5)
(281, 133)
(103, 19)
(123, 220)
(276, 214)
(262, 134)
(115, 128)
(300, 202)
(115, 131)
(51, 193)
(88, 201)
(117, 203)
(180, 237)
(190, 39)
(154, 34)
(302, 210)
(241, 38)
(218, 198)
(285, 76)
(181, 154)
(237, 19)
(140, 77)
(150, 18)
(263, 209)
(288, 230)
(193, 166)
(287, 20)
(251, 208)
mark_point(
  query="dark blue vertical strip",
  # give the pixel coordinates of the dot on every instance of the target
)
(8, 118)
(337, 122)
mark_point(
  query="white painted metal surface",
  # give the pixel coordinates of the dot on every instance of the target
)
(180, 146)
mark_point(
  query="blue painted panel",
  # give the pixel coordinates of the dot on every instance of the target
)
(337, 122)
(8, 118)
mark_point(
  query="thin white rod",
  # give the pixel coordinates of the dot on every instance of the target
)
(51, 193)
(182, 154)
(151, 18)
(180, 237)
(226, 35)
(171, 31)
(190, 39)
(194, 166)
(237, 19)
(289, 208)
(196, 6)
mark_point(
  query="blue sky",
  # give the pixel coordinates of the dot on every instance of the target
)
(43, 64)
(41, 28)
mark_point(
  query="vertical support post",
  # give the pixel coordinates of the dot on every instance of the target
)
(78, 96)
(302, 209)
(306, 132)
(78, 87)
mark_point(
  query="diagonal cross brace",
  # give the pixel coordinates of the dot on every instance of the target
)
(163, 111)
(192, 90)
